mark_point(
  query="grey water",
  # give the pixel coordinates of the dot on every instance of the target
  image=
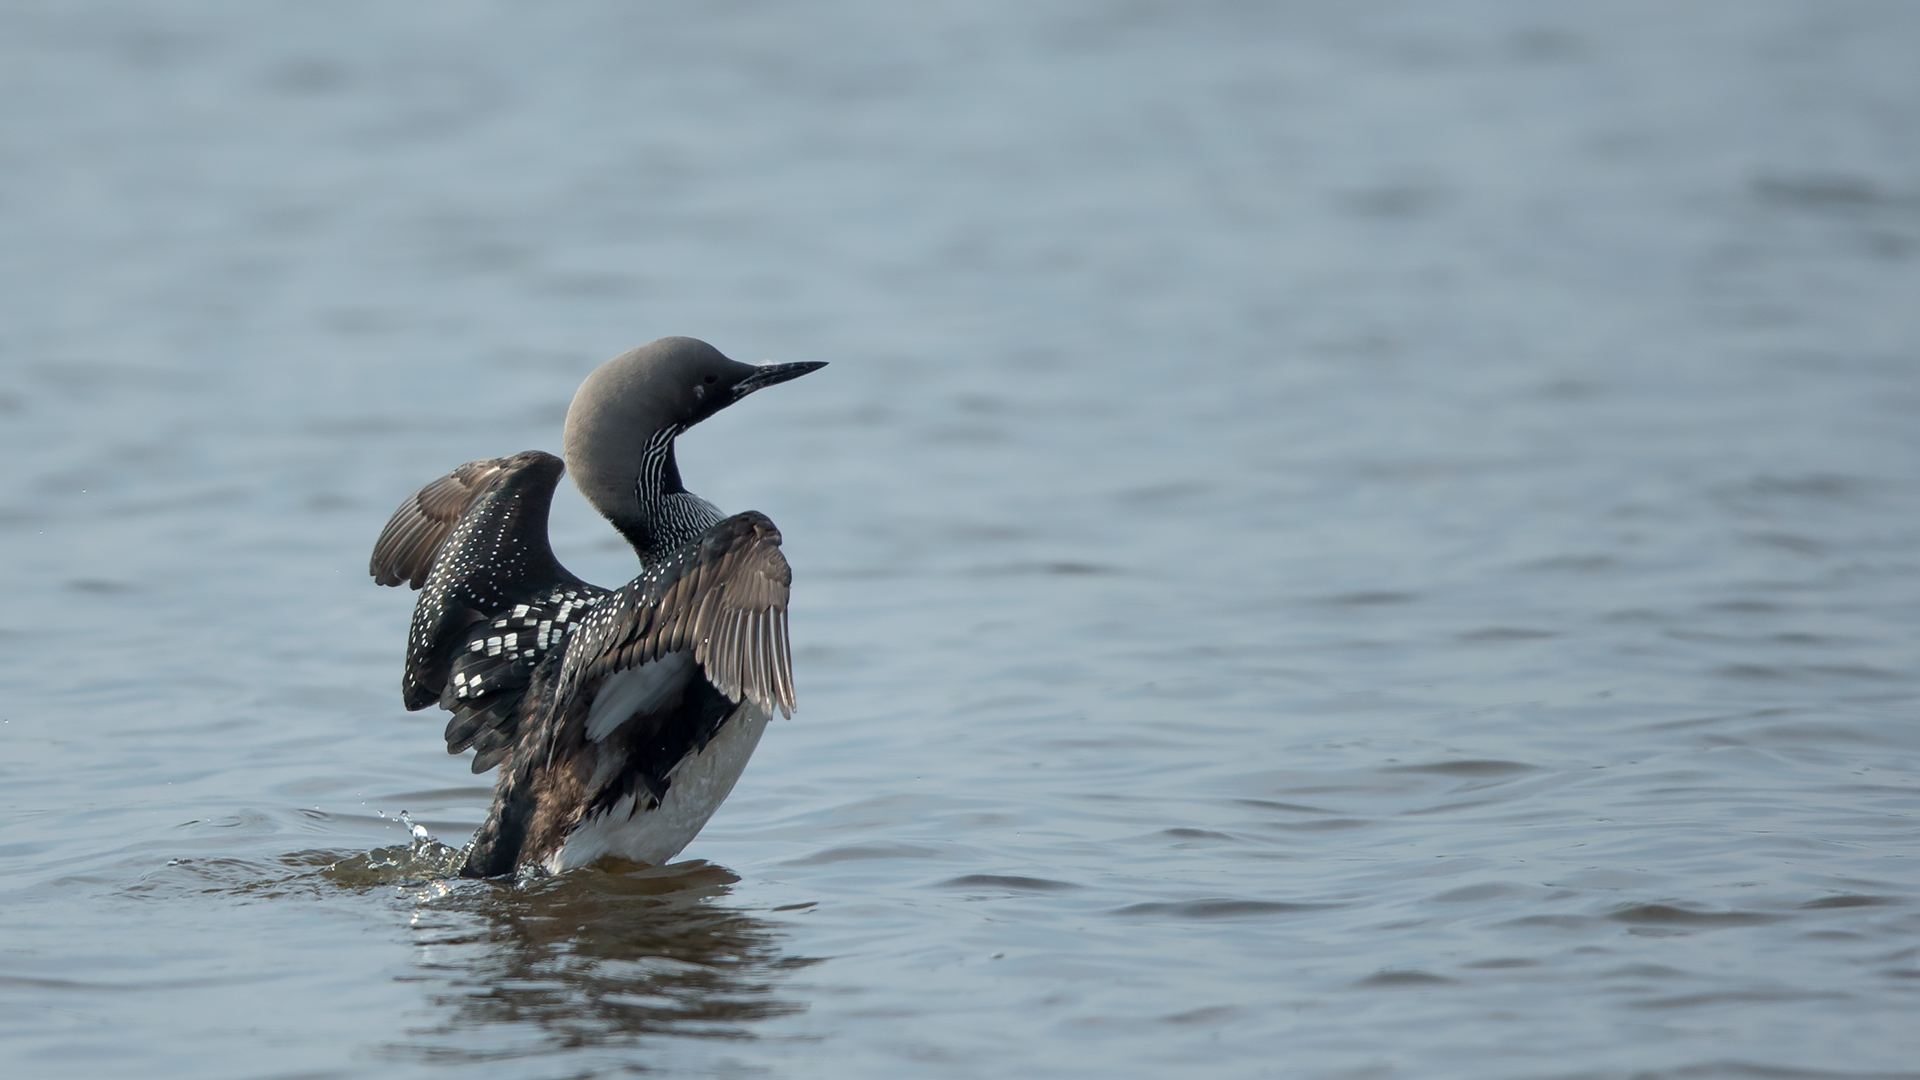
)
(1338, 540)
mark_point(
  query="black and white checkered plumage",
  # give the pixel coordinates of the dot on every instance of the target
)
(622, 718)
(495, 601)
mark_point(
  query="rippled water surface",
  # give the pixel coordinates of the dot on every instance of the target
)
(1338, 541)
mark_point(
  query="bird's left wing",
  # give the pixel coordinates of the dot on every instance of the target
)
(722, 597)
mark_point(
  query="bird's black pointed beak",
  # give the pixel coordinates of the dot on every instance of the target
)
(771, 374)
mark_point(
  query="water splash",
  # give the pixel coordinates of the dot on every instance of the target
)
(421, 860)
(417, 831)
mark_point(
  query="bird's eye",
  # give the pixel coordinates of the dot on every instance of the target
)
(711, 379)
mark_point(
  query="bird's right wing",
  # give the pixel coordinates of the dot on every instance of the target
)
(723, 597)
(496, 602)
(415, 533)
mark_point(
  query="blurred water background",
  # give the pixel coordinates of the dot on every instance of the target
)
(1339, 541)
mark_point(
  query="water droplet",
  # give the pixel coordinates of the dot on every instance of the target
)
(419, 832)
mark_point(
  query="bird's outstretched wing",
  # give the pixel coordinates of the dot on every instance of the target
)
(413, 536)
(722, 597)
(495, 603)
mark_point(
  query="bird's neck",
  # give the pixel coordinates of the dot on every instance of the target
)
(669, 516)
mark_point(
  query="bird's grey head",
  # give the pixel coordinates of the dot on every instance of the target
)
(633, 405)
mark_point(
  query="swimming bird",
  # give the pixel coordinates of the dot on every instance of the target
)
(621, 718)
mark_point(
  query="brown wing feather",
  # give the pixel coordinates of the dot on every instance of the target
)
(724, 596)
(413, 536)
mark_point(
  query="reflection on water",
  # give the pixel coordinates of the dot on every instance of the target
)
(600, 957)
(595, 958)
(607, 958)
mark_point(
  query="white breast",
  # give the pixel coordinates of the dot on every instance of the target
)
(697, 787)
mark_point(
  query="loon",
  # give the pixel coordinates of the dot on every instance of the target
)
(621, 718)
